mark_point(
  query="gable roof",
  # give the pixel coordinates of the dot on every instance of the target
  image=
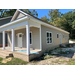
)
(26, 14)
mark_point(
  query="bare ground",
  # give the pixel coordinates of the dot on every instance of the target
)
(51, 61)
(59, 59)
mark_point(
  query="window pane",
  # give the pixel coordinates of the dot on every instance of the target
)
(57, 36)
(50, 34)
(50, 40)
(20, 35)
(30, 41)
(30, 35)
(47, 40)
(30, 38)
(47, 34)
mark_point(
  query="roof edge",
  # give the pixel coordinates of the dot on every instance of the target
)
(5, 17)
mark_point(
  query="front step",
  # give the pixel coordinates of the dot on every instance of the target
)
(4, 53)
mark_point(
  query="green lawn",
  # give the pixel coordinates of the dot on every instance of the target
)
(14, 61)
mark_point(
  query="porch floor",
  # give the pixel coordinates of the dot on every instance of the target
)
(18, 54)
(24, 49)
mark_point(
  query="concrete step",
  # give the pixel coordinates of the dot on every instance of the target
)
(4, 53)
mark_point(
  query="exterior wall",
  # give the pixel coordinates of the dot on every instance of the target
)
(55, 40)
(35, 38)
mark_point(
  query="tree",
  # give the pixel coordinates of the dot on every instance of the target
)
(45, 19)
(33, 13)
(53, 14)
(10, 12)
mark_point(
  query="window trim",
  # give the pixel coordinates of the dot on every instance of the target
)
(46, 37)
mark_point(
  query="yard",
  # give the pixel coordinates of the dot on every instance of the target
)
(58, 56)
(12, 61)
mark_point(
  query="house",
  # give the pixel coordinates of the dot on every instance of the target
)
(2, 22)
(32, 36)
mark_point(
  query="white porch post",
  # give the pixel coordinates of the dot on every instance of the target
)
(3, 39)
(28, 39)
(12, 39)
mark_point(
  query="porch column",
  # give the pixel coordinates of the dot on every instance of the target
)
(12, 39)
(3, 39)
(28, 39)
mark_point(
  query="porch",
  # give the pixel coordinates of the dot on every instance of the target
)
(22, 29)
(21, 50)
(18, 54)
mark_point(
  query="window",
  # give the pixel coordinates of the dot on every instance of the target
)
(20, 35)
(57, 35)
(49, 37)
(30, 38)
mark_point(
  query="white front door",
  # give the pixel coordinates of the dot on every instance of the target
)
(60, 38)
(19, 40)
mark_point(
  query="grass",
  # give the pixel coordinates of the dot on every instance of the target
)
(71, 62)
(14, 61)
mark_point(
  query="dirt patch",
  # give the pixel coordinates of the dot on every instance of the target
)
(6, 60)
(58, 56)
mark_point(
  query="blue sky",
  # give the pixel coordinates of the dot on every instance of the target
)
(43, 12)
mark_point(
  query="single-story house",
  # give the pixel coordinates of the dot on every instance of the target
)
(2, 22)
(26, 32)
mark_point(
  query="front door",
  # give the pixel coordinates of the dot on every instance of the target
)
(19, 41)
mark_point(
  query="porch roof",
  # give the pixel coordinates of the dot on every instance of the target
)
(4, 27)
(30, 18)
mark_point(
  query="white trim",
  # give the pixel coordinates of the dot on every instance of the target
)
(32, 18)
(40, 21)
(28, 39)
(17, 11)
(11, 25)
(40, 39)
(3, 39)
(46, 37)
(13, 40)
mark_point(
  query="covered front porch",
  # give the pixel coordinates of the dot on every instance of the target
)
(23, 36)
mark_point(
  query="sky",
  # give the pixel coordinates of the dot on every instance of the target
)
(43, 12)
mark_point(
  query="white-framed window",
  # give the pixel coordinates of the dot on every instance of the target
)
(30, 37)
(57, 35)
(49, 37)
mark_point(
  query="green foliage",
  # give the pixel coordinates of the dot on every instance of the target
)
(34, 13)
(10, 12)
(45, 19)
(64, 21)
